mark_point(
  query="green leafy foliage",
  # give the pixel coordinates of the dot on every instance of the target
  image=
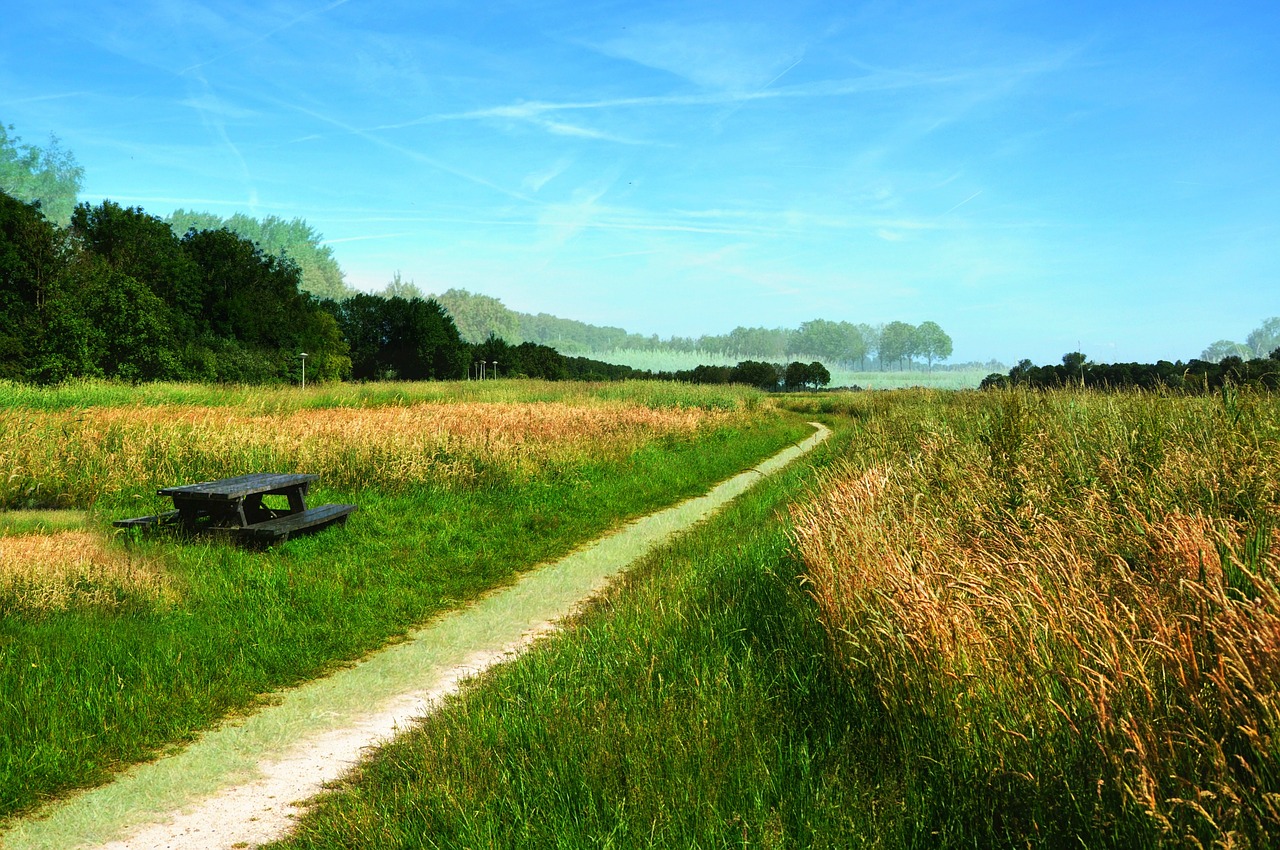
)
(292, 239)
(48, 176)
(118, 295)
(1196, 376)
(410, 339)
(480, 316)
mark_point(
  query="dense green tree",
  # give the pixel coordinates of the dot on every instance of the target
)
(796, 375)
(478, 317)
(756, 373)
(499, 359)
(127, 336)
(32, 260)
(898, 343)
(246, 294)
(48, 176)
(932, 342)
(291, 239)
(539, 361)
(817, 375)
(143, 247)
(410, 339)
(401, 288)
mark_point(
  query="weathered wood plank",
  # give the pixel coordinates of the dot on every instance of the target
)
(241, 486)
(146, 521)
(281, 528)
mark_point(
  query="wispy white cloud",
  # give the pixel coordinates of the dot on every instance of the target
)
(208, 104)
(729, 55)
(404, 151)
(214, 113)
(253, 41)
(977, 79)
(535, 181)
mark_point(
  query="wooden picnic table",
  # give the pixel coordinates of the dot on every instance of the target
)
(236, 505)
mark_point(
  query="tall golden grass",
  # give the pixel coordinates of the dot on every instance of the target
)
(53, 572)
(1070, 596)
(75, 457)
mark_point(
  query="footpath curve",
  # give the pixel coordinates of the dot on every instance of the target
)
(241, 784)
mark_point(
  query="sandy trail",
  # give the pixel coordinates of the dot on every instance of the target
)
(242, 784)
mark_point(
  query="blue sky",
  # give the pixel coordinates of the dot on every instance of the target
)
(1032, 176)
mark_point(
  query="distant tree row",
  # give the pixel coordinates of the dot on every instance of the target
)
(1194, 376)
(894, 345)
(756, 373)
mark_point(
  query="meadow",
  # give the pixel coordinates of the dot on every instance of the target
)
(116, 646)
(1002, 619)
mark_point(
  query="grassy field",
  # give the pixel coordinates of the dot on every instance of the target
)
(988, 620)
(116, 646)
(674, 361)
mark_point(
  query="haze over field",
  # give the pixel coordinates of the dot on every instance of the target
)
(1035, 177)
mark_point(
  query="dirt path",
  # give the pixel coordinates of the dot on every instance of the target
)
(240, 785)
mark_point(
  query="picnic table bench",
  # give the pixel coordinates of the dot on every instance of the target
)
(236, 505)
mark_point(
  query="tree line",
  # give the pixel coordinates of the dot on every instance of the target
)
(118, 294)
(1196, 375)
(895, 345)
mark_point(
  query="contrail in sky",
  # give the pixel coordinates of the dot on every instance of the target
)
(962, 203)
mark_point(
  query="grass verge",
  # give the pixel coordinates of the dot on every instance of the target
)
(1029, 620)
(88, 689)
(693, 706)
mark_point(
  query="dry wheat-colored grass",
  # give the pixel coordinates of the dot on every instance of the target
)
(1066, 595)
(54, 572)
(73, 457)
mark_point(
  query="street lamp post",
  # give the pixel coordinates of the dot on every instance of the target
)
(495, 369)
(303, 355)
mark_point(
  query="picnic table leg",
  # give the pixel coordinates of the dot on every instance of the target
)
(188, 514)
(297, 498)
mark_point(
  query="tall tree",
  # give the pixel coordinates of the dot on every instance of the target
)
(898, 343)
(833, 341)
(142, 247)
(1265, 338)
(933, 342)
(49, 176)
(401, 288)
(1224, 348)
(32, 261)
(291, 239)
(478, 317)
(871, 339)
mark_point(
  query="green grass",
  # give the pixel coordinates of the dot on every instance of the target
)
(694, 706)
(41, 521)
(87, 691)
(88, 393)
(698, 705)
